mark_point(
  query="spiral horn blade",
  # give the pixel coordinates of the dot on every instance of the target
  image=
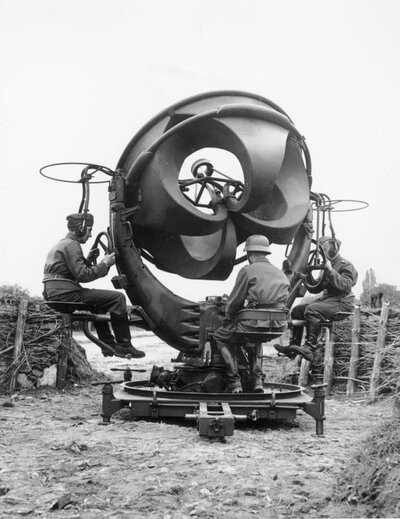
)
(201, 257)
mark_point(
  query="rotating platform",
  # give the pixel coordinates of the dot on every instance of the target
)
(215, 413)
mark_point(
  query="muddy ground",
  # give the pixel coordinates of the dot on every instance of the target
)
(58, 461)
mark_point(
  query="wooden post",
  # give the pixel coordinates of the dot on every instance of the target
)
(19, 339)
(329, 359)
(304, 367)
(380, 345)
(355, 351)
(304, 370)
(62, 363)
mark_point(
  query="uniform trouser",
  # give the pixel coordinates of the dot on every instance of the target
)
(320, 310)
(103, 301)
(255, 353)
(99, 301)
(224, 340)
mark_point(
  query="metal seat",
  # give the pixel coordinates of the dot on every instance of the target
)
(73, 311)
(338, 316)
(68, 307)
(263, 334)
(327, 323)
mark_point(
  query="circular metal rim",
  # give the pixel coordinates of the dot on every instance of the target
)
(144, 389)
(55, 164)
(328, 206)
(190, 100)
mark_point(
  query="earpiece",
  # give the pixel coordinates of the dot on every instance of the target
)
(81, 230)
(86, 222)
(336, 246)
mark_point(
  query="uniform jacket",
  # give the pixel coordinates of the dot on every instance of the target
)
(340, 279)
(66, 261)
(258, 283)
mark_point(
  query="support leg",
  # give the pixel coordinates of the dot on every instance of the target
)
(316, 408)
(110, 404)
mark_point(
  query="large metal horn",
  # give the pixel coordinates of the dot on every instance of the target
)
(272, 200)
(154, 218)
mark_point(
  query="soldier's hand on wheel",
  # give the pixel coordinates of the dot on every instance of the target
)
(328, 264)
(93, 254)
(109, 259)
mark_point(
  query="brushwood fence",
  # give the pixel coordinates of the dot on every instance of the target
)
(365, 354)
(31, 336)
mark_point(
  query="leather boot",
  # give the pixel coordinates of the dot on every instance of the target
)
(297, 335)
(232, 373)
(104, 334)
(122, 332)
(308, 349)
(255, 354)
(313, 331)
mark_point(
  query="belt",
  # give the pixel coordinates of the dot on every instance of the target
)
(342, 296)
(56, 276)
(265, 306)
(51, 277)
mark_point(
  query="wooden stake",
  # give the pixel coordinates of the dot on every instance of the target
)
(62, 363)
(304, 371)
(355, 351)
(329, 359)
(19, 339)
(380, 345)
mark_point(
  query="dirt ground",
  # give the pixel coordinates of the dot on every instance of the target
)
(58, 461)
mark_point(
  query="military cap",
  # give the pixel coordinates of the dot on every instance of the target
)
(75, 220)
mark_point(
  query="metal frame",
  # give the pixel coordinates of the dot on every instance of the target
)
(215, 413)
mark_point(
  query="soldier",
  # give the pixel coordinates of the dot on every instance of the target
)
(336, 297)
(64, 270)
(259, 283)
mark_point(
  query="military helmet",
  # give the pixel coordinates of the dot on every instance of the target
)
(333, 242)
(257, 243)
(324, 239)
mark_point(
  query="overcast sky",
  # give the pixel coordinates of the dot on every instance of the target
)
(80, 77)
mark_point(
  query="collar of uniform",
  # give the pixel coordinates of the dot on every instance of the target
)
(259, 260)
(71, 236)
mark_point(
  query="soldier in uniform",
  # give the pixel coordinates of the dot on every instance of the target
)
(336, 297)
(64, 270)
(258, 284)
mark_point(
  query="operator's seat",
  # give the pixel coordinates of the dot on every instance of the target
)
(249, 343)
(325, 323)
(263, 334)
(68, 307)
(75, 311)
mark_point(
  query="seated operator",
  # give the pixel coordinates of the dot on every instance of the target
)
(64, 270)
(259, 284)
(336, 297)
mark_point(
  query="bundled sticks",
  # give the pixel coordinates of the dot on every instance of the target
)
(377, 368)
(30, 339)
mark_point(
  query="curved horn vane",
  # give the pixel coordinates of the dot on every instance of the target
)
(273, 201)
(175, 231)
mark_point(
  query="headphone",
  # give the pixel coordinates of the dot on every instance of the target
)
(81, 230)
(335, 244)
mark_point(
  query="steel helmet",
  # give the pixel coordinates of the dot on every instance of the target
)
(257, 243)
(335, 245)
(324, 239)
